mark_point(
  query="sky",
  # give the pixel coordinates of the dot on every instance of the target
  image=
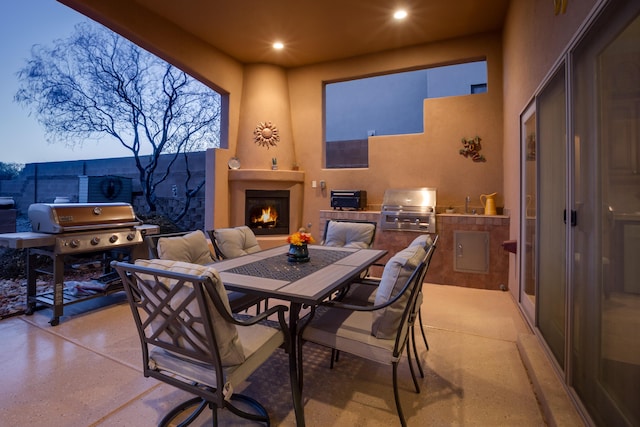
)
(24, 23)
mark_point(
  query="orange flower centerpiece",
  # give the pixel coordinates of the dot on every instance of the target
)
(298, 250)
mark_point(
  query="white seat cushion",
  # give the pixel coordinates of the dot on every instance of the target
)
(229, 345)
(258, 343)
(396, 272)
(192, 248)
(349, 331)
(349, 234)
(237, 241)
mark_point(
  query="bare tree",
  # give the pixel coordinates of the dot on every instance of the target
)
(96, 83)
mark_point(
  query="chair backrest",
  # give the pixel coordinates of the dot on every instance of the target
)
(395, 306)
(349, 233)
(233, 242)
(410, 311)
(186, 246)
(182, 311)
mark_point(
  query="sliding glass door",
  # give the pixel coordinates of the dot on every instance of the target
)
(605, 344)
(580, 251)
(552, 218)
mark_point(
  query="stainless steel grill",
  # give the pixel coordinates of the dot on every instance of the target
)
(409, 209)
(66, 229)
(80, 228)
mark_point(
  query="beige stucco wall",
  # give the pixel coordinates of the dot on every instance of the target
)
(534, 41)
(427, 159)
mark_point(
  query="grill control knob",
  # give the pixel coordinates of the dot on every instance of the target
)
(113, 238)
(131, 236)
(95, 240)
(74, 243)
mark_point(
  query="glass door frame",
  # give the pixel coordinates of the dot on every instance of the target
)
(527, 154)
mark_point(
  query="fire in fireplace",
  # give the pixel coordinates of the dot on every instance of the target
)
(267, 211)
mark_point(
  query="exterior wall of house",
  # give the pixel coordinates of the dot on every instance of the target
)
(428, 159)
(534, 40)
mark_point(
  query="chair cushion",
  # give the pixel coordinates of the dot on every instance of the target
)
(424, 240)
(396, 272)
(229, 344)
(192, 248)
(349, 331)
(258, 341)
(349, 234)
(237, 241)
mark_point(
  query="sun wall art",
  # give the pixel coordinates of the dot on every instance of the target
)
(266, 134)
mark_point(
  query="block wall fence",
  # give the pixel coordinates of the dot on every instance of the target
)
(44, 182)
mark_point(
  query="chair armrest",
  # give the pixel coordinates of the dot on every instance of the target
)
(280, 309)
(369, 281)
(356, 307)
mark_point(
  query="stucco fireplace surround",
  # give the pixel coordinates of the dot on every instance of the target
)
(241, 180)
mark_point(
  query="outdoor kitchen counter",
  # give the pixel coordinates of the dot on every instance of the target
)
(442, 268)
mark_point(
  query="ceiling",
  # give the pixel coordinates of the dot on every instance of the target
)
(315, 31)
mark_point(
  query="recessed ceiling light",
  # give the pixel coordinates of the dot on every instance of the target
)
(278, 45)
(400, 14)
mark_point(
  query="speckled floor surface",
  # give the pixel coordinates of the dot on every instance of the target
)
(86, 372)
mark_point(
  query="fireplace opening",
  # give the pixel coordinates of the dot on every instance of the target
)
(267, 211)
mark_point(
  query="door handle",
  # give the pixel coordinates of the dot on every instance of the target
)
(574, 217)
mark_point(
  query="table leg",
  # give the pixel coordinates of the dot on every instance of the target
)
(294, 369)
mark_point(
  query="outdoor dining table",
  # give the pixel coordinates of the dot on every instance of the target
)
(270, 274)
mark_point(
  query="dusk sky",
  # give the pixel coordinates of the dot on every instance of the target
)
(24, 23)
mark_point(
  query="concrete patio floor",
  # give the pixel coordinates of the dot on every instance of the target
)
(484, 368)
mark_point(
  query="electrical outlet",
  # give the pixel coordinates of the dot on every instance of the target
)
(323, 185)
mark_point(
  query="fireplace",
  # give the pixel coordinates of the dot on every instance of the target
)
(267, 211)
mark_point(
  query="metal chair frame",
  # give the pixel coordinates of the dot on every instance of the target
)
(413, 286)
(166, 323)
(238, 300)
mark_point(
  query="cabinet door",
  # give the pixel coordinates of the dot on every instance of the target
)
(471, 253)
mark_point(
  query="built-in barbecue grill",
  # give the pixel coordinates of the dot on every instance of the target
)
(409, 209)
(67, 229)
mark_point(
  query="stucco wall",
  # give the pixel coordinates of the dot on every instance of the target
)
(426, 159)
(534, 40)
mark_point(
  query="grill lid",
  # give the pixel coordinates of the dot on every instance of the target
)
(65, 217)
(413, 199)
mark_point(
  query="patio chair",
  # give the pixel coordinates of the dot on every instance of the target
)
(349, 233)
(192, 247)
(191, 341)
(377, 332)
(364, 292)
(233, 242)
